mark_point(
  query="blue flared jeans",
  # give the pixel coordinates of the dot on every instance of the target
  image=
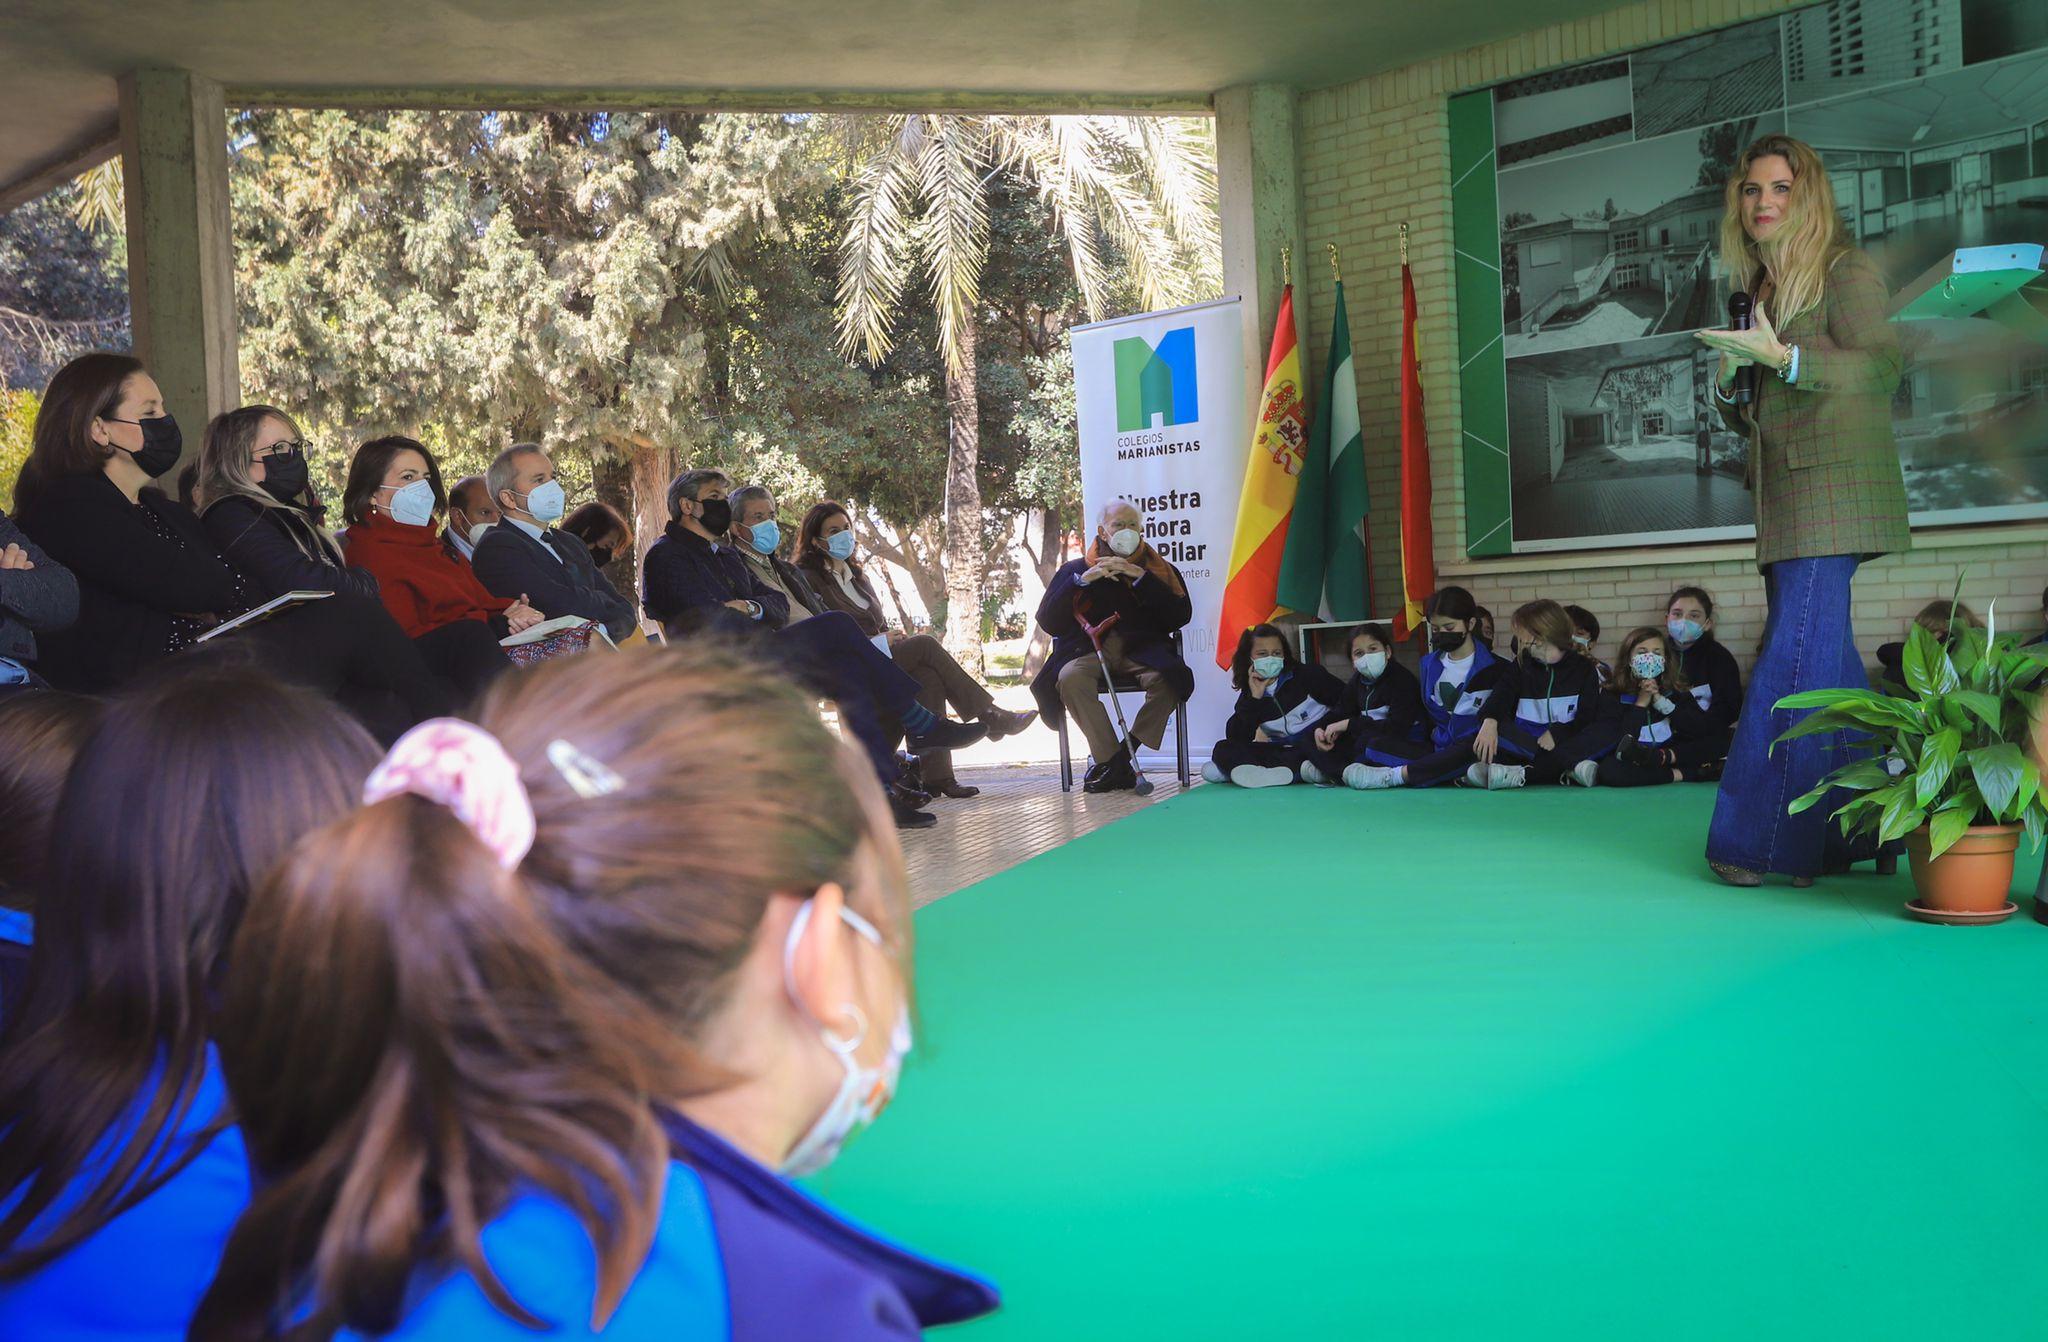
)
(1808, 645)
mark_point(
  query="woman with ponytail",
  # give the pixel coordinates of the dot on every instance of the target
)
(534, 1037)
(120, 1170)
(1810, 385)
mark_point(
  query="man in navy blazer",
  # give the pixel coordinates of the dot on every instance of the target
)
(696, 583)
(525, 555)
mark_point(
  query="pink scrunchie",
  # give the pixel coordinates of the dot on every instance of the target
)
(461, 766)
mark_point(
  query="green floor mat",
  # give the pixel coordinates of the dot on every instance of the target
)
(1317, 1064)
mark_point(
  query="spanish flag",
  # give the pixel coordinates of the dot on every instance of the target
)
(1418, 550)
(1279, 447)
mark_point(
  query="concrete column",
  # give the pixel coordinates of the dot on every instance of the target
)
(181, 256)
(1258, 184)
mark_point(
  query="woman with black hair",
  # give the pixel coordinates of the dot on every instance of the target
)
(1280, 699)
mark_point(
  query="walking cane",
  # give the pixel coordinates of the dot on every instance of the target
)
(1095, 633)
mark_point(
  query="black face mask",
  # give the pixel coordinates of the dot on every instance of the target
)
(162, 444)
(600, 555)
(717, 517)
(1446, 640)
(284, 476)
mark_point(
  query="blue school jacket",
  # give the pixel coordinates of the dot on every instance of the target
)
(1652, 726)
(739, 1253)
(1298, 699)
(140, 1278)
(1459, 720)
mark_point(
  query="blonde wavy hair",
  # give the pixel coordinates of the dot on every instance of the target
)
(1806, 244)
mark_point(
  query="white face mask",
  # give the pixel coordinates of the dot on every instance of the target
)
(1371, 665)
(1125, 541)
(546, 503)
(863, 1091)
(477, 530)
(1268, 667)
(413, 504)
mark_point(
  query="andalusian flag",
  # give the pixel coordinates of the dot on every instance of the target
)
(1323, 571)
(1270, 476)
(1418, 553)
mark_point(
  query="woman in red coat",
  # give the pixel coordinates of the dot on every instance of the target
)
(392, 497)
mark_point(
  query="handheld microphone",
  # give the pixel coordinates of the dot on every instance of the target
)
(1739, 306)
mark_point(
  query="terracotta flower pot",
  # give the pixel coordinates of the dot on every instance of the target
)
(1974, 876)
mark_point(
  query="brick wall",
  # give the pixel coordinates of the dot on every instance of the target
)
(1375, 153)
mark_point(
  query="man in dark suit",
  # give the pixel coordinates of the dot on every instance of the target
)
(526, 555)
(36, 592)
(695, 583)
(470, 515)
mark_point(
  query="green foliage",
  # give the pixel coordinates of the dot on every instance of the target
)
(1951, 752)
(17, 425)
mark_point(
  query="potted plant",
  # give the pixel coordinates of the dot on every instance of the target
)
(1949, 770)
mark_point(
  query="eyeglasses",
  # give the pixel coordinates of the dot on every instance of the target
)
(287, 448)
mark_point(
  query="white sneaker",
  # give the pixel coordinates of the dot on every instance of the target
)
(1493, 776)
(1585, 773)
(1212, 774)
(1311, 774)
(1253, 775)
(1367, 777)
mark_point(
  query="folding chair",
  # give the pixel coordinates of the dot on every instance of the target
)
(1107, 684)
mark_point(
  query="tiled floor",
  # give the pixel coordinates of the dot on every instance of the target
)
(1020, 813)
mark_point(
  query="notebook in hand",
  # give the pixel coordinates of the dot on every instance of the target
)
(263, 612)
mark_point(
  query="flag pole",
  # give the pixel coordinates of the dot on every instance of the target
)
(1336, 270)
(1286, 266)
(1404, 242)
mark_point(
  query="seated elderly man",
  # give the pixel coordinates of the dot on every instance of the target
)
(529, 558)
(1121, 575)
(756, 537)
(695, 583)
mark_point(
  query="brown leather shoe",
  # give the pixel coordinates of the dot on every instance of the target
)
(1002, 722)
(1735, 875)
(954, 788)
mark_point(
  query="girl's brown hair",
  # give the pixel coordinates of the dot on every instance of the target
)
(1934, 617)
(176, 807)
(366, 475)
(1804, 246)
(1547, 621)
(87, 388)
(414, 1033)
(811, 530)
(1626, 681)
(40, 733)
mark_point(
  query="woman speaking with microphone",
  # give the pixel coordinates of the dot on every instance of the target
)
(1810, 385)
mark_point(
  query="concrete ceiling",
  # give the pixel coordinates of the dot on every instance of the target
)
(59, 58)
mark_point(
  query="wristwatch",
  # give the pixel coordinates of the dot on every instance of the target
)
(1785, 364)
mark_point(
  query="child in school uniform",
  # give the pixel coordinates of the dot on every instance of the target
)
(1279, 702)
(1383, 701)
(1586, 638)
(1459, 675)
(1659, 716)
(1549, 718)
(1716, 681)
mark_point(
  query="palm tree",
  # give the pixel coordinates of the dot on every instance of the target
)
(1136, 193)
(101, 202)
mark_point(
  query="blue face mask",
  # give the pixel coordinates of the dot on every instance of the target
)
(764, 536)
(840, 545)
(1268, 667)
(546, 502)
(1685, 631)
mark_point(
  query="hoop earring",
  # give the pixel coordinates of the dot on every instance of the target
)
(846, 1047)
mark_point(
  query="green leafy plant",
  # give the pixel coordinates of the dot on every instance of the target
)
(1949, 753)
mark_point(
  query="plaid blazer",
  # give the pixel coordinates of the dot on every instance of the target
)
(1822, 459)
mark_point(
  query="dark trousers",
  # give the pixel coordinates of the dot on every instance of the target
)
(941, 680)
(1427, 764)
(829, 655)
(1618, 772)
(466, 655)
(349, 647)
(1518, 745)
(1691, 754)
(1227, 755)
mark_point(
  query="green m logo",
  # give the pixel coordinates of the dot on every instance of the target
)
(1156, 382)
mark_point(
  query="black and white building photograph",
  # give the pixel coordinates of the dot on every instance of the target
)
(1618, 243)
(1621, 444)
(1562, 111)
(1718, 76)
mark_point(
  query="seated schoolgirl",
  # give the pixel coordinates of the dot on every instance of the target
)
(1271, 732)
(1934, 617)
(1459, 676)
(532, 1042)
(1549, 720)
(121, 1171)
(1658, 714)
(1586, 638)
(1383, 700)
(1716, 681)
